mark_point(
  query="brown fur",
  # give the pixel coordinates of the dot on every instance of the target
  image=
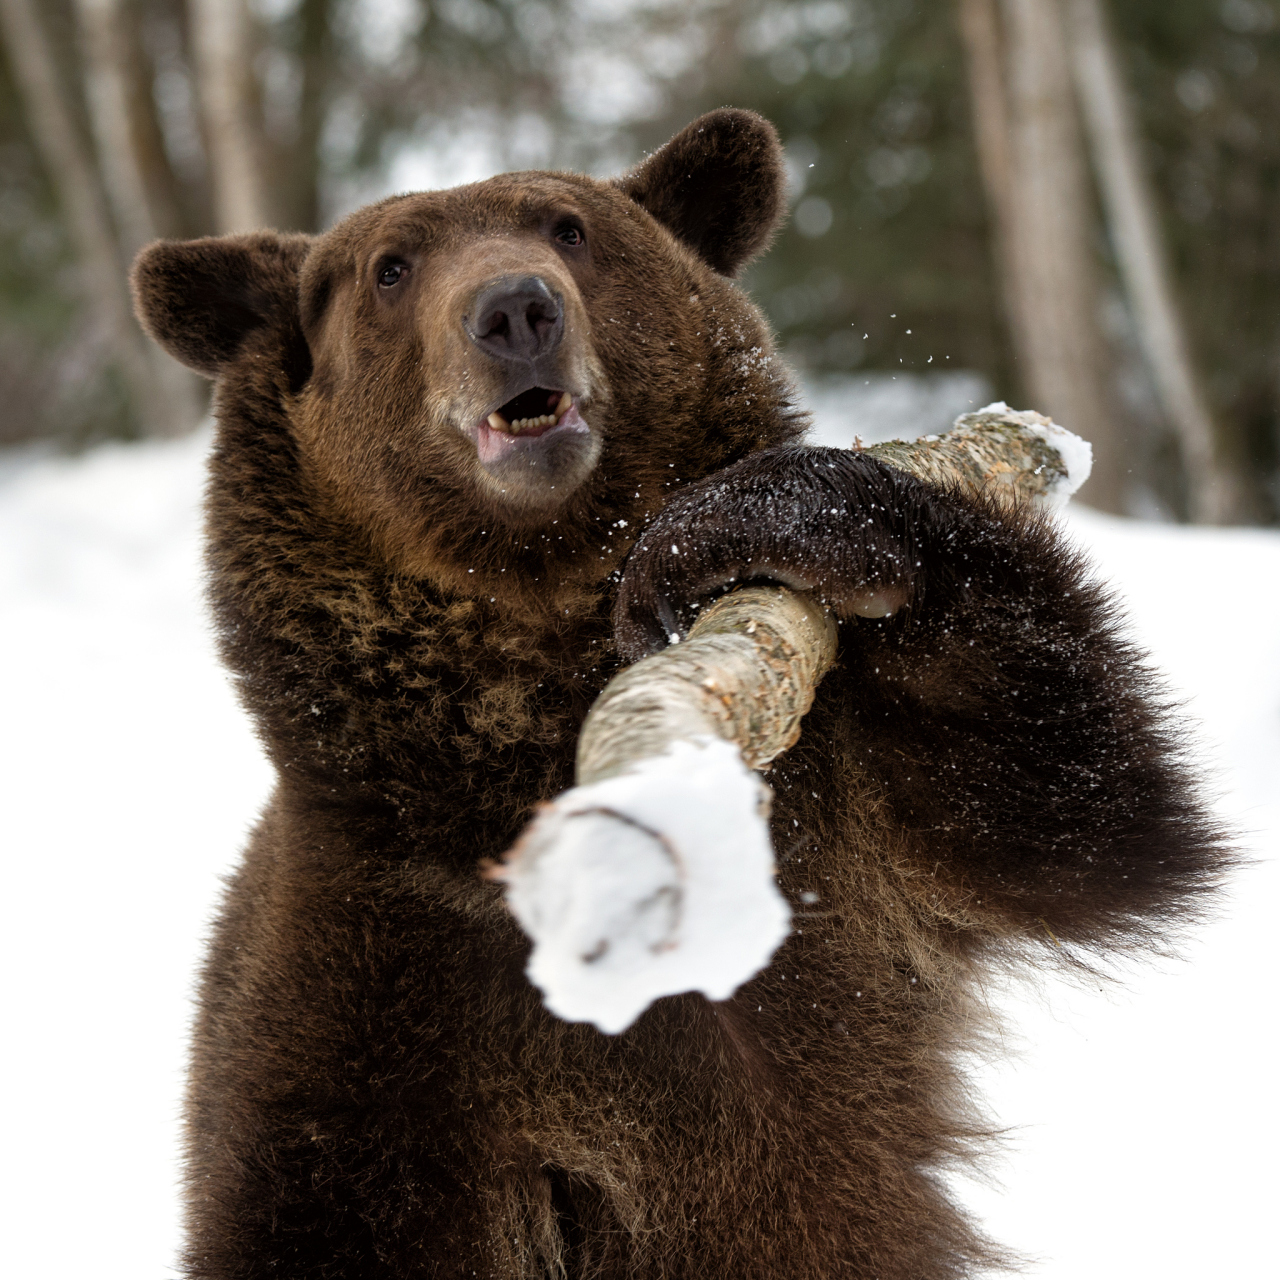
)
(376, 1089)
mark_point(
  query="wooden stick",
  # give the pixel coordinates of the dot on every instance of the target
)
(749, 667)
(747, 673)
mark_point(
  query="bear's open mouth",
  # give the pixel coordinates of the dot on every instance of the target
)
(538, 435)
(531, 412)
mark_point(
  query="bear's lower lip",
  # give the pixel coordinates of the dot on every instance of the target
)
(494, 445)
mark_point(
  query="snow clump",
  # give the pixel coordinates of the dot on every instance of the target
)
(647, 884)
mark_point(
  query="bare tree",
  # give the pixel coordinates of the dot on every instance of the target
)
(1135, 232)
(106, 78)
(115, 107)
(316, 51)
(980, 29)
(52, 118)
(980, 32)
(222, 37)
(1035, 171)
(1022, 56)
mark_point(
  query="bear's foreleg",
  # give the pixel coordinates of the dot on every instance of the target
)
(1023, 749)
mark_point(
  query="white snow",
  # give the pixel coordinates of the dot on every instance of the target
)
(648, 884)
(129, 779)
(887, 406)
(1144, 1119)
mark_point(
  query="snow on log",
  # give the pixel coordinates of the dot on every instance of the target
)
(654, 874)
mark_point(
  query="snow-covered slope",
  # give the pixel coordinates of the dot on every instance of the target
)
(1148, 1112)
(1145, 1116)
(129, 778)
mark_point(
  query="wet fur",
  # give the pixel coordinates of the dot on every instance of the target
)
(376, 1089)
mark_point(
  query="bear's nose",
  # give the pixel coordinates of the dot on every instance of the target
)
(516, 318)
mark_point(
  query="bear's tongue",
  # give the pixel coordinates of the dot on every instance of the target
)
(531, 412)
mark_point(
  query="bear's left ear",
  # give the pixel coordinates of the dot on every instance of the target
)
(199, 299)
(719, 186)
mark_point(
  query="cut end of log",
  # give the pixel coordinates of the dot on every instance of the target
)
(649, 883)
(1016, 454)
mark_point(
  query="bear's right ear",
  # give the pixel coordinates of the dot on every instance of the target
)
(199, 299)
(719, 186)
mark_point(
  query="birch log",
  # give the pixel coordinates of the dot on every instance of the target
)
(654, 874)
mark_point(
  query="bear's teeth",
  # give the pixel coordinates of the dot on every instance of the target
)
(518, 425)
(566, 403)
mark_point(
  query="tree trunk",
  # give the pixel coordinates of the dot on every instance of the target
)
(1033, 165)
(317, 52)
(110, 81)
(105, 51)
(221, 38)
(52, 119)
(163, 187)
(139, 180)
(980, 32)
(1135, 233)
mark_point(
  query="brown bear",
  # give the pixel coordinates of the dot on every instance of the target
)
(441, 427)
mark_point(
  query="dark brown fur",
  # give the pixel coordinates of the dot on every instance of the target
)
(377, 1090)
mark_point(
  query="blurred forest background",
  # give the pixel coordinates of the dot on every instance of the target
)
(1076, 199)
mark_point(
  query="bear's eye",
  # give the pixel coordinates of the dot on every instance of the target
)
(571, 236)
(392, 274)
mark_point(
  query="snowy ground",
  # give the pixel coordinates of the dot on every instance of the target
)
(1144, 1119)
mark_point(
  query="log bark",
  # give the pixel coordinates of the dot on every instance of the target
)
(747, 673)
(1135, 233)
(1016, 455)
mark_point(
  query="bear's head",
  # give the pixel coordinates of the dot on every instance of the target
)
(541, 354)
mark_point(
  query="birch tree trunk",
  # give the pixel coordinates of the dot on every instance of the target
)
(1135, 233)
(104, 39)
(110, 81)
(1033, 166)
(69, 162)
(221, 37)
(1053, 269)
